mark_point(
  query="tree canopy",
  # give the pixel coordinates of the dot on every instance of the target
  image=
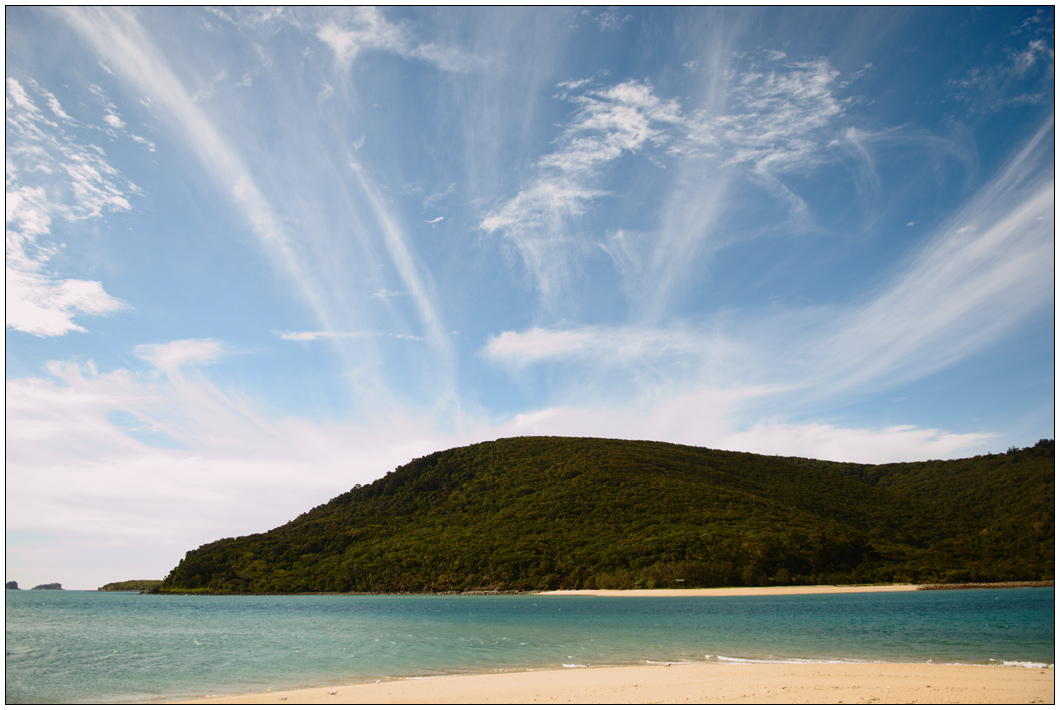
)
(553, 512)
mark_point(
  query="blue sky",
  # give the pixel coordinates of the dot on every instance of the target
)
(257, 256)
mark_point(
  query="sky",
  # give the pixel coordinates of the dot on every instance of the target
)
(258, 256)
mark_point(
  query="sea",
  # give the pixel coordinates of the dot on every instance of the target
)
(114, 647)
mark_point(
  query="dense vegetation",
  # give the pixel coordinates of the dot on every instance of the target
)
(549, 512)
(132, 585)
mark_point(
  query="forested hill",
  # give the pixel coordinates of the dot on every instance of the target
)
(550, 512)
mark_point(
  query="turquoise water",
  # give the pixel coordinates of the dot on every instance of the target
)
(115, 647)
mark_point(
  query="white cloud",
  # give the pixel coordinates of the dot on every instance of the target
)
(150, 145)
(76, 475)
(310, 335)
(113, 121)
(170, 357)
(56, 107)
(46, 306)
(832, 443)
(596, 345)
(709, 418)
(51, 176)
(365, 28)
(610, 122)
(1027, 78)
(611, 21)
(776, 119)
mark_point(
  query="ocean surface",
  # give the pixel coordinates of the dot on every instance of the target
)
(66, 646)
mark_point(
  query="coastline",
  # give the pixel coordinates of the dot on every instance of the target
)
(775, 683)
(735, 591)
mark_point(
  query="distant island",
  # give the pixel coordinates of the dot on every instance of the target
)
(53, 585)
(543, 513)
(11, 585)
(132, 585)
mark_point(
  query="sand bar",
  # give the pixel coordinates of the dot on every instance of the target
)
(706, 682)
(735, 591)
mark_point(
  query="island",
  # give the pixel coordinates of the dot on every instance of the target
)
(53, 585)
(11, 585)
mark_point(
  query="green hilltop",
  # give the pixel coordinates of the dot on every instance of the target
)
(551, 512)
(132, 585)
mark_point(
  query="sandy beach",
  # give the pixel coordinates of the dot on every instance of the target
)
(698, 683)
(735, 591)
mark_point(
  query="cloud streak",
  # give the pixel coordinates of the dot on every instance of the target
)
(129, 51)
(983, 273)
(308, 336)
(987, 269)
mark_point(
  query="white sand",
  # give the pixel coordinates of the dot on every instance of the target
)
(736, 591)
(830, 683)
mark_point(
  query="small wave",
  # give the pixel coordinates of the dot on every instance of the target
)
(814, 661)
(667, 663)
(784, 661)
(734, 659)
(575, 665)
(1025, 664)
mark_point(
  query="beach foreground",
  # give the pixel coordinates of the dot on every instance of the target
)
(699, 683)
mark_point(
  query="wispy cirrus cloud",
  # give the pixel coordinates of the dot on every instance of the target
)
(979, 277)
(713, 415)
(308, 261)
(170, 357)
(51, 175)
(363, 29)
(988, 268)
(1026, 78)
(310, 335)
(594, 345)
(128, 49)
(611, 20)
(778, 116)
(609, 122)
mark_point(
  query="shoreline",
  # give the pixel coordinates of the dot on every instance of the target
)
(704, 682)
(667, 591)
(735, 591)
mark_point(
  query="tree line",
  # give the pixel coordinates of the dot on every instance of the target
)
(537, 513)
